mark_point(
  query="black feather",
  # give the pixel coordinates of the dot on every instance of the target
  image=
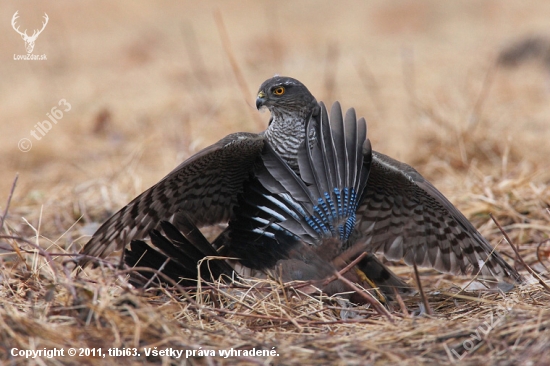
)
(183, 252)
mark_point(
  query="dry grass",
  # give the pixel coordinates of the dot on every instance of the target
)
(152, 83)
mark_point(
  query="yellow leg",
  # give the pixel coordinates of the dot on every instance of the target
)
(363, 277)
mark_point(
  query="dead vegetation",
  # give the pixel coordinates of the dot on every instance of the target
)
(177, 82)
(45, 306)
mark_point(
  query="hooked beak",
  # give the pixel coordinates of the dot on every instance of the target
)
(260, 100)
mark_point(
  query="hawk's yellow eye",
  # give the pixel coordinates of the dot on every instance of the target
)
(279, 91)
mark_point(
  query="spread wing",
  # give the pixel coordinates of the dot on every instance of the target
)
(204, 188)
(404, 216)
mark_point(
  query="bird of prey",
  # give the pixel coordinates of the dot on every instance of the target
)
(401, 214)
(301, 224)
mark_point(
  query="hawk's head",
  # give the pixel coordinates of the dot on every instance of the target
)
(284, 95)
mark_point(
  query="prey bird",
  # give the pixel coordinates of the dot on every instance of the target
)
(400, 214)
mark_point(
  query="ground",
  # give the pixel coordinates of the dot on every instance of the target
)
(128, 90)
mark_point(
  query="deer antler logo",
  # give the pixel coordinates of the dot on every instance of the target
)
(29, 41)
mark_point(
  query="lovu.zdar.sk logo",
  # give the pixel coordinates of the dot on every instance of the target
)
(29, 40)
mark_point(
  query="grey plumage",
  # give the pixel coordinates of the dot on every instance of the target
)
(290, 112)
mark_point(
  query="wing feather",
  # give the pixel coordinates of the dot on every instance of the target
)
(406, 216)
(204, 187)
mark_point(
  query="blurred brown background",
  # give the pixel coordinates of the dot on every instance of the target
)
(150, 83)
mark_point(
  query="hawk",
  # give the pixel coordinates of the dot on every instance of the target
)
(400, 214)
